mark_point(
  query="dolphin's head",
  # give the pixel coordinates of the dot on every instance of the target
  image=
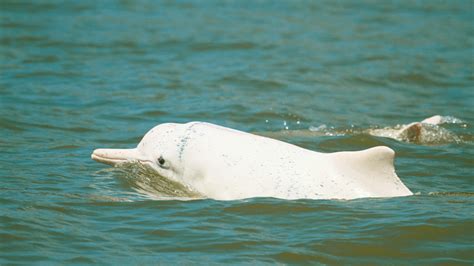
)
(159, 149)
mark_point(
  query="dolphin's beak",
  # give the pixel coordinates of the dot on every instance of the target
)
(116, 156)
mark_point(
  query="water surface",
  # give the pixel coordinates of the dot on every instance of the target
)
(79, 75)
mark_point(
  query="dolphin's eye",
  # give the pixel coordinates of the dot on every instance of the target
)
(161, 161)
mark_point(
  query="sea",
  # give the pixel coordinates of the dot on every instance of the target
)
(323, 75)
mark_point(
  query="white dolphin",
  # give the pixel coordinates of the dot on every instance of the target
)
(425, 132)
(227, 164)
(412, 132)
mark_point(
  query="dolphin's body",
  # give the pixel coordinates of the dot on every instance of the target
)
(227, 164)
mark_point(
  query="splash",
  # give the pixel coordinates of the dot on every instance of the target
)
(426, 132)
(451, 120)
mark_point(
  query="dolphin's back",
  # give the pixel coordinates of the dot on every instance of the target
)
(237, 165)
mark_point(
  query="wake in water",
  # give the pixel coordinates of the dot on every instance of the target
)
(430, 131)
(149, 183)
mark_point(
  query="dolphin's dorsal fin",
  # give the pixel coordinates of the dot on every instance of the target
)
(372, 172)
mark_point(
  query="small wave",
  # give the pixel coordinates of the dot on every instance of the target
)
(422, 80)
(453, 194)
(322, 127)
(210, 46)
(324, 130)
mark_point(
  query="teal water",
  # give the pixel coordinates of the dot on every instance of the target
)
(79, 75)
